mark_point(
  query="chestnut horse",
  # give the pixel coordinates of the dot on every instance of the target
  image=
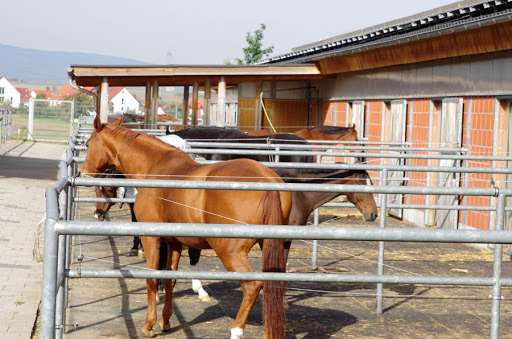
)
(113, 145)
(101, 211)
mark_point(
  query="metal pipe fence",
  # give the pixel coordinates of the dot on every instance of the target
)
(60, 226)
(5, 125)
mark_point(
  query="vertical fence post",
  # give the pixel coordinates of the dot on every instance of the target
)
(316, 219)
(380, 259)
(49, 266)
(30, 127)
(498, 256)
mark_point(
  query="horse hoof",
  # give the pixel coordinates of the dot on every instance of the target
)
(141, 254)
(148, 333)
(134, 252)
(205, 298)
(163, 326)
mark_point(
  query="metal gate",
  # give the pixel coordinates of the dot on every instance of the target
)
(450, 135)
(50, 120)
(397, 130)
(358, 118)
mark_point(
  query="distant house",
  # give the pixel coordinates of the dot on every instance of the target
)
(64, 92)
(120, 99)
(24, 95)
(8, 93)
(41, 93)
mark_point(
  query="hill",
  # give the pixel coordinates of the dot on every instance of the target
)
(36, 66)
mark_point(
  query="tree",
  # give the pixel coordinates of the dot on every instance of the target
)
(254, 52)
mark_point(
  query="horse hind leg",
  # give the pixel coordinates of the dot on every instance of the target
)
(238, 262)
(173, 259)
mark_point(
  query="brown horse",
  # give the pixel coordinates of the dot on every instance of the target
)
(335, 133)
(112, 145)
(328, 133)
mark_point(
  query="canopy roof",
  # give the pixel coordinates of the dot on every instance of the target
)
(181, 75)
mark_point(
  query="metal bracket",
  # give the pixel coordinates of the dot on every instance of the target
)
(496, 188)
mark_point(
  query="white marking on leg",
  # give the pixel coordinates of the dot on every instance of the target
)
(237, 333)
(197, 287)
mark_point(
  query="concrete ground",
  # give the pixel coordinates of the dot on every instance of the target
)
(26, 170)
(116, 308)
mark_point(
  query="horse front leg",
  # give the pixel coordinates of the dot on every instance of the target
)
(194, 255)
(173, 259)
(151, 245)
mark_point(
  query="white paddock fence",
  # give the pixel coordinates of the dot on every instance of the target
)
(60, 226)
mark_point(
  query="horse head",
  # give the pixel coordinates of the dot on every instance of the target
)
(364, 202)
(98, 158)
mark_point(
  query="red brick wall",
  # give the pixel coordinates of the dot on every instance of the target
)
(479, 130)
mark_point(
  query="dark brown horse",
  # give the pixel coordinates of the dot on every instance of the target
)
(318, 133)
(112, 145)
(219, 134)
(303, 204)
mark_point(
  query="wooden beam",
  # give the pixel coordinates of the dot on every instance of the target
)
(185, 106)
(195, 103)
(154, 105)
(221, 102)
(207, 99)
(103, 100)
(147, 105)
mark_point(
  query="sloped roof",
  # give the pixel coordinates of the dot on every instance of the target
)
(24, 93)
(47, 94)
(459, 16)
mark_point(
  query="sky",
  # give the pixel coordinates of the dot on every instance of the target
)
(189, 31)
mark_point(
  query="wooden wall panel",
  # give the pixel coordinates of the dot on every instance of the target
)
(482, 40)
(287, 115)
(247, 111)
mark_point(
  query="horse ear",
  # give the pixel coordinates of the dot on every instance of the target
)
(98, 126)
(119, 121)
(353, 126)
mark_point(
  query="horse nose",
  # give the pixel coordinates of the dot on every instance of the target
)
(371, 216)
(99, 215)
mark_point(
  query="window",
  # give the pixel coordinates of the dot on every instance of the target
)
(2, 89)
(1, 99)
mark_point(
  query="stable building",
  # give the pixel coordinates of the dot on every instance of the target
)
(440, 79)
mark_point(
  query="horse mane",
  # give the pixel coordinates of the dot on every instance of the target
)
(127, 134)
(331, 129)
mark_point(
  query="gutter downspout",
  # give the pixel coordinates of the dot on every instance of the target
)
(83, 90)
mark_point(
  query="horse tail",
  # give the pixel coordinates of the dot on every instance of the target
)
(273, 261)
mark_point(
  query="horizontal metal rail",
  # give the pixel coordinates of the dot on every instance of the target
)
(266, 186)
(294, 277)
(328, 204)
(283, 232)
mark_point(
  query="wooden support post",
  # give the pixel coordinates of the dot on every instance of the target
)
(147, 105)
(154, 105)
(207, 99)
(221, 102)
(185, 106)
(195, 103)
(103, 100)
